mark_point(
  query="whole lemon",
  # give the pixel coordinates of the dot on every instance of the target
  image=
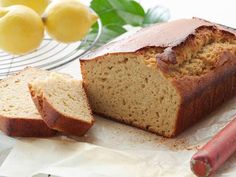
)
(68, 20)
(38, 5)
(21, 29)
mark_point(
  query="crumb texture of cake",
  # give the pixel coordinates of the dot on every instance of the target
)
(18, 114)
(164, 78)
(62, 103)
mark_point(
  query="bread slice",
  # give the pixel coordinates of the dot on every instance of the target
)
(165, 77)
(62, 103)
(18, 114)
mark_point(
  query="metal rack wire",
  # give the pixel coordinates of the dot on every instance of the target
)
(50, 55)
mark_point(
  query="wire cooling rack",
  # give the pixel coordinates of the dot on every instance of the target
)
(50, 55)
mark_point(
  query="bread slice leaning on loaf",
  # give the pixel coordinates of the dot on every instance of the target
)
(62, 103)
(165, 77)
(18, 114)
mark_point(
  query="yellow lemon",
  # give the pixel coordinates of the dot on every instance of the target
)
(68, 20)
(21, 29)
(38, 5)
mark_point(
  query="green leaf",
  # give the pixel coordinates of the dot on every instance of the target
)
(156, 14)
(130, 11)
(119, 11)
(106, 12)
(109, 32)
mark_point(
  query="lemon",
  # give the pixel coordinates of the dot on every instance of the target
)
(21, 29)
(38, 5)
(68, 20)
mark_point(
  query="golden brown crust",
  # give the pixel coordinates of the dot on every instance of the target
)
(159, 35)
(202, 95)
(58, 121)
(20, 127)
(223, 27)
(169, 56)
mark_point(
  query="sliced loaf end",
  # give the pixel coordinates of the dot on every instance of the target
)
(62, 103)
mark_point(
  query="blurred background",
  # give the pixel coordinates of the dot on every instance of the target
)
(213, 10)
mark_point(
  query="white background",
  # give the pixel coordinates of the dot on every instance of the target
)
(221, 11)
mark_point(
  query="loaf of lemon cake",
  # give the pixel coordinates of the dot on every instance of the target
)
(165, 77)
